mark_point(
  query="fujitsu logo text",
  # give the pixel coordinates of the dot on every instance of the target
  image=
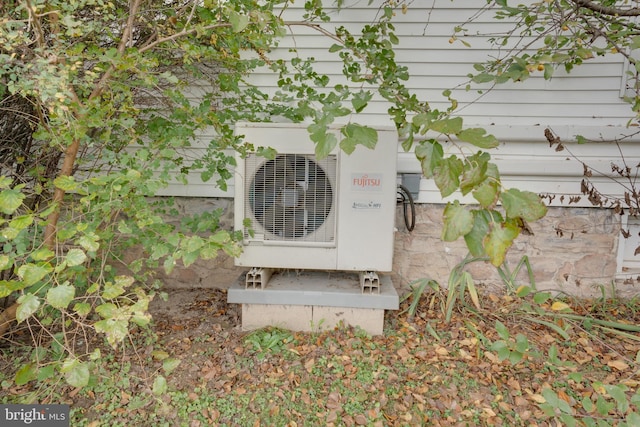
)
(366, 181)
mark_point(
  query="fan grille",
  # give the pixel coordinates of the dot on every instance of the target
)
(291, 197)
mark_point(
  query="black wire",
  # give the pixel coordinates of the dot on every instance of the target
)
(406, 199)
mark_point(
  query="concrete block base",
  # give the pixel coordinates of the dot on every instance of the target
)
(310, 318)
(314, 301)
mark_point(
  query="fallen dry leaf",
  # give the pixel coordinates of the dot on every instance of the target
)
(361, 420)
(560, 306)
(442, 351)
(309, 364)
(618, 364)
(538, 398)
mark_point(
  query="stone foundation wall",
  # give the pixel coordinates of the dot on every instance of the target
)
(219, 272)
(572, 250)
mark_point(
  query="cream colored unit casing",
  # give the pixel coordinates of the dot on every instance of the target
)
(335, 213)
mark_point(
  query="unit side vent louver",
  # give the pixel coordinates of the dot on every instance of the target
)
(292, 197)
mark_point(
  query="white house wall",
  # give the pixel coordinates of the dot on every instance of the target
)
(586, 102)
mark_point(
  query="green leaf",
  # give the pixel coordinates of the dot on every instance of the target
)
(107, 310)
(360, 100)
(502, 350)
(552, 399)
(115, 329)
(95, 287)
(474, 173)
(488, 191)
(502, 330)
(481, 226)
(541, 297)
(603, 407)
(82, 308)
(46, 372)
(581, 139)
(523, 204)
(192, 243)
(75, 257)
(523, 291)
(21, 222)
(169, 264)
(448, 126)
(60, 296)
(220, 237)
(447, 175)
(159, 385)
(430, 154)
(66, 183)
(159, 250)
(522, 343)
(170, 364)
(458, 221)
(422, 120)
(75, 372)
(5, 181)
(114, 290)
(9, 233)
(189, 258)
(26, 374)
(159, 354)
(33, 273)
(325, 145)
(7, 287)
(28, 305)
(41, 254)
(355, 135)
(633, 419)
(141, 319)
(89, 242)
(498, 242)
(588, 405)
(238, 22)
(635, 43)
(124, 228)
(483, 78)
(10, 200)
(478, 137)
(617, 392)
(515, 357)
(5, 262)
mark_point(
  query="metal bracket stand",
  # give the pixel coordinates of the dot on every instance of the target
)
(369, 282)
(257, 278)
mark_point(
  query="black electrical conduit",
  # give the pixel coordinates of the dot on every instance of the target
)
(404, 197)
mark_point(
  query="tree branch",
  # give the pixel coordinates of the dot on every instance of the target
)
(611, 11)
(126, 36)
(71, 152)
(182, 33)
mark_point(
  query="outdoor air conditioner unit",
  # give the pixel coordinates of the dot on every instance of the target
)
(335, 213)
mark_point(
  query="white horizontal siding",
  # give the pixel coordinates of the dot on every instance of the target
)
(590, 91)
(585, 102)
(534, 166)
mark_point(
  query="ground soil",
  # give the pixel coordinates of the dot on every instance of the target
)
(195, 311)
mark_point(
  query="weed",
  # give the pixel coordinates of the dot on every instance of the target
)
(317, 327)
(269, 340)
